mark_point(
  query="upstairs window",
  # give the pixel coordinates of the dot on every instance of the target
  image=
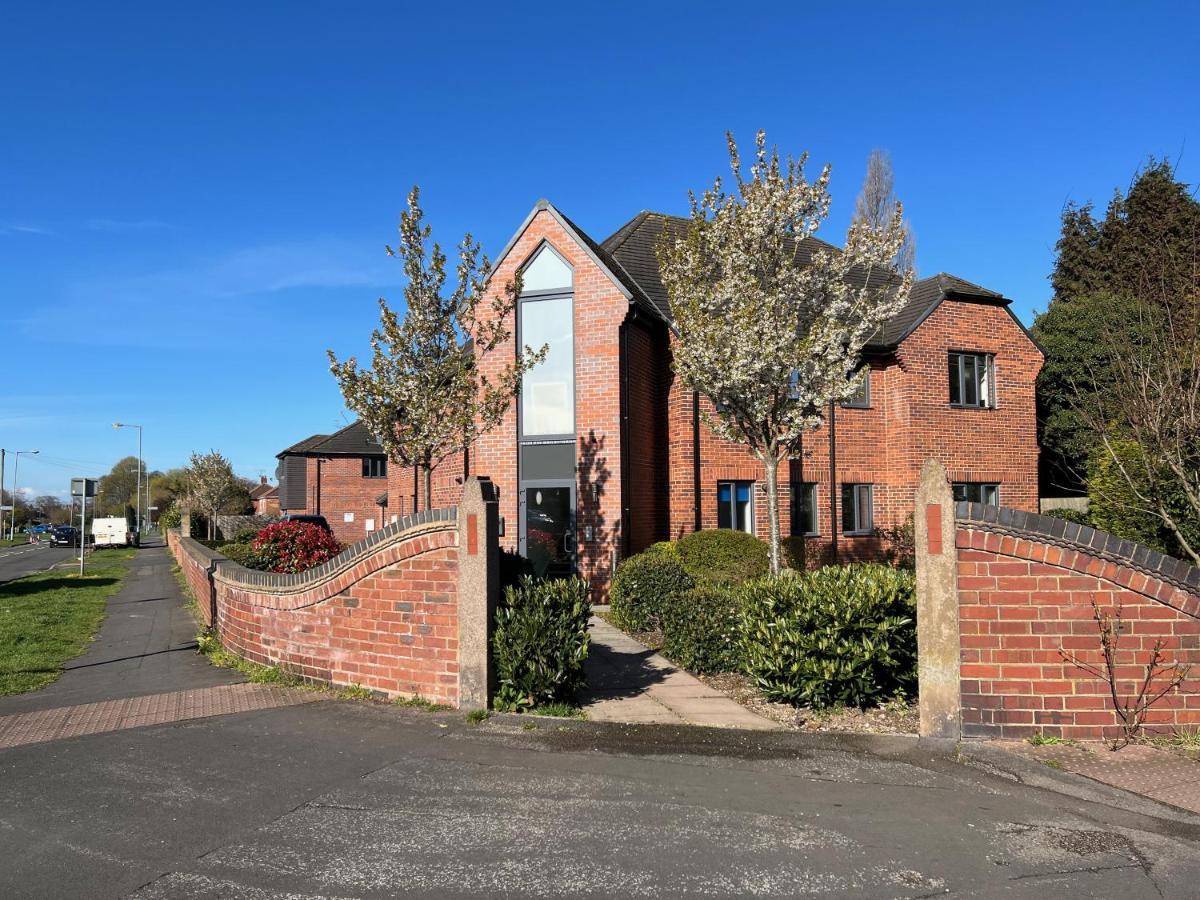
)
(546, 317)
(860, 399)
(858, 508)
(735, 505)
(976, 492)
(804, 509)
(374, 467)
(972, 377)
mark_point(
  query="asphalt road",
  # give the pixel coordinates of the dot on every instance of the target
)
(340, 799)
(26, 559)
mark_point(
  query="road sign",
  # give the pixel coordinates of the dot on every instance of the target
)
(7, 507)
(83, 487)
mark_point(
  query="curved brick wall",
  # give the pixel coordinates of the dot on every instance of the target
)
(383, 614)
(1025, 585)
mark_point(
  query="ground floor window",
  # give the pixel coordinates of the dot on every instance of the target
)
(804, 509)
(977, 492)
(735, 505)
(858, 508)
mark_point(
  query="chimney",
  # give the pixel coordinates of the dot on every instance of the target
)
(263, 479)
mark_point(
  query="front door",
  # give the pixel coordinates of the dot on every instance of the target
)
(548, 528)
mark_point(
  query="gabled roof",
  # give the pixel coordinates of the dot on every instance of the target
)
(353, 440)
(634, 247)
(611, 267)
(261, 491)
(302, 446)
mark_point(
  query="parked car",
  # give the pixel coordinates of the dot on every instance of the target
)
(64, 536)
(314, 520)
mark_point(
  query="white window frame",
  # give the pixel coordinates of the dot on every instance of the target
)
(748, 525)
(863, 495)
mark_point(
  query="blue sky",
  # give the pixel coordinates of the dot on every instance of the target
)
(194, 199)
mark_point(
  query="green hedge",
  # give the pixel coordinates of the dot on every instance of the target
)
(701, 629)
(838, 635)
(1078, 516)
(644, 587)
(723, 556)
(541, 642)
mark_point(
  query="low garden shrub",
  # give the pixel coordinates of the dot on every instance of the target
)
(540, 642)
(838, 635)
(701, 629)
(644, 586)
(241, 553)
(294, 546)
(667, 547)
(723, 556)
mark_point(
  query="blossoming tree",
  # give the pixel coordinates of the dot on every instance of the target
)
(769, 341)
(424, 396)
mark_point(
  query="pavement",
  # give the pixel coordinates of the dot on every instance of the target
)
(627, 682)
(1162, 775)
(29, 559)
(147, 645)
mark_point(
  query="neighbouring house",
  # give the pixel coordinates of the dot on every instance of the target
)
(346, 478)
(265, 498)
(605, 453)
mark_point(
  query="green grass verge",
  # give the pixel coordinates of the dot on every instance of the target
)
(49, 618)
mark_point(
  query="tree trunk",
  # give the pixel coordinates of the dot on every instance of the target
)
(771, 465)
(427, 485)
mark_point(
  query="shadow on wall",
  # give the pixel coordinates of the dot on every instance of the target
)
(597, 547)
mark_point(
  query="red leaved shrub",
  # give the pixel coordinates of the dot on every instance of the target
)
(293, 546)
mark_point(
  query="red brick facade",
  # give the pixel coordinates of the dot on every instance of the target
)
(647, 468)
(1023, 596)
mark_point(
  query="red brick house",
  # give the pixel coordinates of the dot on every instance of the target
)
(605, 453)
(265, 498)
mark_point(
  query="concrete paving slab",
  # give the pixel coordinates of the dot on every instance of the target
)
(627, 682)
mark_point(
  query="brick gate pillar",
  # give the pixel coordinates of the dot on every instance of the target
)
(478, 590)
(938, 648)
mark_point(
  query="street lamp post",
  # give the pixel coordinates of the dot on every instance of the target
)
(139, 478)
(12, 525)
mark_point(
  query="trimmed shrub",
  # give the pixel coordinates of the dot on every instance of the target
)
(294, 546)
(541, 642)
(644, 586)
(701, 629)
(723, 556)
(246, 535)
(838, 635)
(242, 553)
(667, 547)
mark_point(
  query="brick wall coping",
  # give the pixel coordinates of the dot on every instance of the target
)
(403, 529)
(1081, 539)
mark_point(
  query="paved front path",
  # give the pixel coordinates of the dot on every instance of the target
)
(1158, 774)
(147, 645)
(626, 682)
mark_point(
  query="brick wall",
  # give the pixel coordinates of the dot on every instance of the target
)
(909, 420)
(384, 614)
(1025, 589)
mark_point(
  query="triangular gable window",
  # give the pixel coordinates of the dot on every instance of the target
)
(546, 272)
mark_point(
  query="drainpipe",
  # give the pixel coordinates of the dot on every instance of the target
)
(625, 467)
(696, 524)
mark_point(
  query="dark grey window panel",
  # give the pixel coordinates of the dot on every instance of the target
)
(539, 461)
(293, 482)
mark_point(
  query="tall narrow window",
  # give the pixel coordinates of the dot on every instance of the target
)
(804, 509)
(547, 318)
(860, 399)
(735, 505)
(858, 514)
(971, 380)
